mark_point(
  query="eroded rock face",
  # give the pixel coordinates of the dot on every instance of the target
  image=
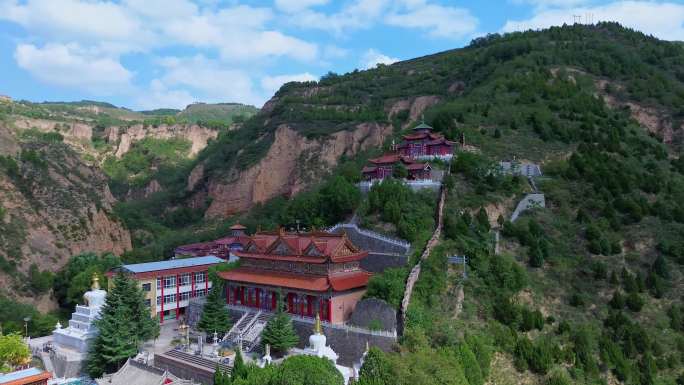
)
(55, 210)
(292, 163)
(416, 106)
(197, 135)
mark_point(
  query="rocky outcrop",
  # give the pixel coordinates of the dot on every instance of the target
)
(198, 136)
(415, 106)
(70, 130)
(54, 207)
(292, 163)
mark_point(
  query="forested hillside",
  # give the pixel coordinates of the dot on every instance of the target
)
(586, 290)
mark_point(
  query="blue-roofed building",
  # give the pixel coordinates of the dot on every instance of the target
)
(169, 285)
(30, 376)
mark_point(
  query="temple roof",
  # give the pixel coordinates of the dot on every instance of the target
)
(23, 377)
(140, 374)
(241, 239)
(238, 226)
(368, 169)
(422, 126)
(313, 247)
(337, 282)
(152, 269)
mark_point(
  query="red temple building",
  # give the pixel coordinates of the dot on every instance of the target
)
(383, 167)
(425, 144)
(222, 247)
(317, 273)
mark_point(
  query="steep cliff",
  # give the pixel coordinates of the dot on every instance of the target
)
(53, 206)
(291, 164)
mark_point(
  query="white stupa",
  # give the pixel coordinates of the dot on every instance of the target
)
(71, 344)
(318, 347)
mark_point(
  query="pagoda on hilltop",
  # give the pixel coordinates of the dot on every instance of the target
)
(385, 166)
(316, 273)
(222, 247)
(424, 144)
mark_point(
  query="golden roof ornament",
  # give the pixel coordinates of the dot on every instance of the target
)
(96, 282)
(317, 325)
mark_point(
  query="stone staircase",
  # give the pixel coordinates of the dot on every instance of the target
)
(248, 329)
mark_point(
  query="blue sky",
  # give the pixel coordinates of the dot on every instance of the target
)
(145, 54)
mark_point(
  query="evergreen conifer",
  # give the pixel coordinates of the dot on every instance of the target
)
(239, 367)
(124, 324)
(279, 332)
(215, 317)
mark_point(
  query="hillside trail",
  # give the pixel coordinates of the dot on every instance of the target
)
(415, 272)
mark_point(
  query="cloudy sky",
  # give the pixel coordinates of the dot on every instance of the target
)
(145, 54)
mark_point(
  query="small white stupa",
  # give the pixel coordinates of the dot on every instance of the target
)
(318, 347)
(72, 343)
(317, 343)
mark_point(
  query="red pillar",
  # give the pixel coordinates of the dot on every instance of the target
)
(258, 298)
(309, 305)
(227, 294)
(274, 300)
(320, 307)
(161, 315)
(329, 309)
(242, 295)
(177, 295)
(289, 303)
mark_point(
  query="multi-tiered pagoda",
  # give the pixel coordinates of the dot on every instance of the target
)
(384, 167)
(422, 143)
(222, 247)
(316, 273)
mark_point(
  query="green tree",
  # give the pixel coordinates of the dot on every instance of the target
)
(124, 324)
(239, 367)
(376, 368)
(75, 277)
(279, 331)
(471, 366)
(13, 352)
(221, 378)
(215, 317)
(308, 370)
(399, 171)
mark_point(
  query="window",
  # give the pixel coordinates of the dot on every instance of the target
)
(169, 281)
(200, 277)
(185, 296)
(170, 298)
(147, 286)
(200, 293)
(148, 302)
(158, 301)
(184, 279)
(158, 283)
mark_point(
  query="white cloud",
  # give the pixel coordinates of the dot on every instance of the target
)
(661, 19)
(373, 57)
(77, 21)
(267, 43)
(209, 80)
(71, 66)
(271, 84)
(142, 26)
(437, 20)
(298, 5)
(359, 14)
